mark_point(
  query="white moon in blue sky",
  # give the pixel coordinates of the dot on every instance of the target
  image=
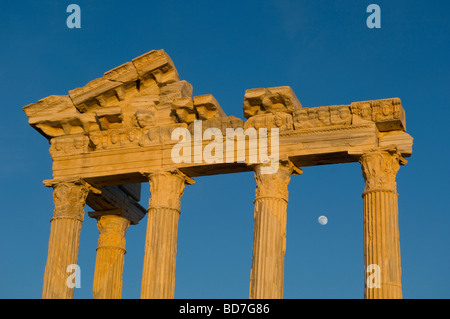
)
(323, 220)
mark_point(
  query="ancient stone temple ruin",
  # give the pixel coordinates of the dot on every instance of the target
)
(118, 131)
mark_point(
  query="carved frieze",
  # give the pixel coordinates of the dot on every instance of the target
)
(132, 137)
(145, 117)
(67, 145)
(221, 123)
(282, 121)
(322, 116)
(340, 115)
(388, 115)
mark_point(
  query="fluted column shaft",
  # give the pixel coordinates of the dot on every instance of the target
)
(69, 198)
(110, 257)
(381, 231)
(269, 241)
(158, 278)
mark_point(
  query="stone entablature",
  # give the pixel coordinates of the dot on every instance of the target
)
(130, 113)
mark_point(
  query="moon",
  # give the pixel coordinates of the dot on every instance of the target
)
(323, 220)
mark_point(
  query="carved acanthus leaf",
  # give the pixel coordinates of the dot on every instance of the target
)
(379, 169)
(70, 199)
(166, 188)
(273, 185)
(112, 229)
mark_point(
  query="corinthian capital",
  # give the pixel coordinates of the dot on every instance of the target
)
(166, 188)
(379, 169)
(112, 229)
(273, 185)
(69, 197)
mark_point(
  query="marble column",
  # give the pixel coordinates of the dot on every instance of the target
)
(110, 257)
(269, 241)
(381, 232)
(158, 278)
(69, 198)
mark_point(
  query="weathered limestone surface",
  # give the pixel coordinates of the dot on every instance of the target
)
(269, 242)
(381, 232)
(69, 198)
(116, 132)
(110, 257)
(121, 124)
(158, 278)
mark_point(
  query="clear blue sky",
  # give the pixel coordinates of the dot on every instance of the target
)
(323, 50)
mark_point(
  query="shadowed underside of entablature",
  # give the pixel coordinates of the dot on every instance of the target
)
(120, 125)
